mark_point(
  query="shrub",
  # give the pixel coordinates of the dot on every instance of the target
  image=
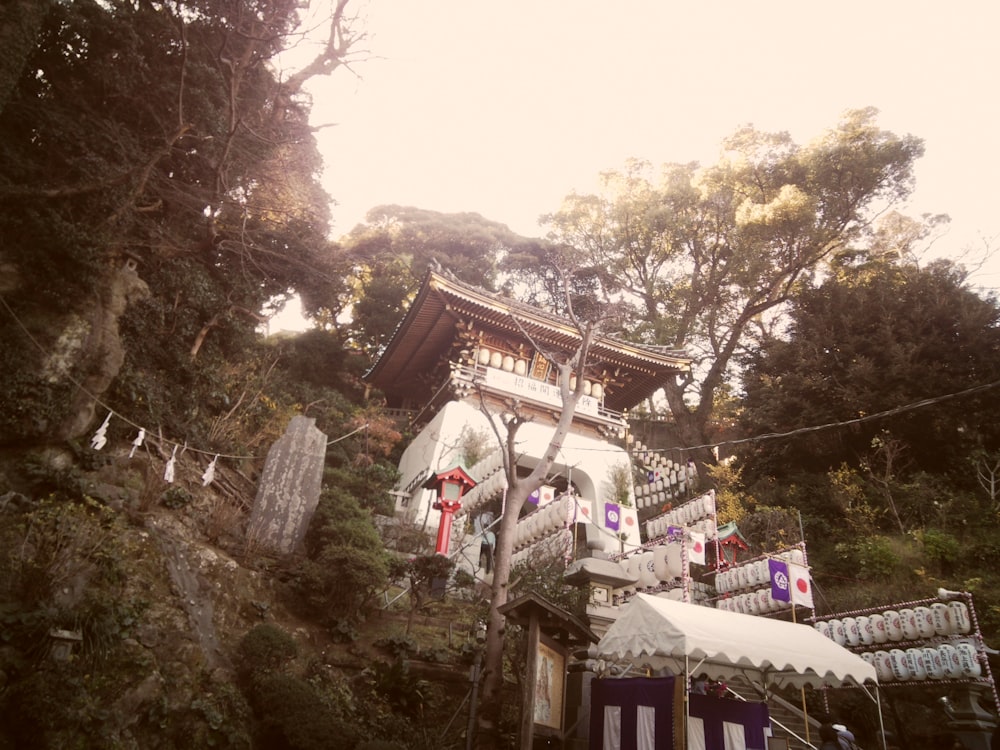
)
(872, 558)
(293, 717)
(264, 649)
(941, 548)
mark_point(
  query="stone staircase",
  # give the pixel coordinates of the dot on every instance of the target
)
(787, 719)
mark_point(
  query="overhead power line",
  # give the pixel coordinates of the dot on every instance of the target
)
(844, 423)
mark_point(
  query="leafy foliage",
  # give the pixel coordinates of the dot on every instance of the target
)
(347, 563)
(265, 649)
(706, 256)
(392, 251)
(159, 135)
(859, 345)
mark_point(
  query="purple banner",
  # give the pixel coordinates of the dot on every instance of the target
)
(779, 580)
(612, 516)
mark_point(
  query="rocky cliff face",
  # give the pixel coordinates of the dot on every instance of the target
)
(91, 343)
(157, 609)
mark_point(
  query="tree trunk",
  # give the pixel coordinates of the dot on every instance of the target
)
(491, 701)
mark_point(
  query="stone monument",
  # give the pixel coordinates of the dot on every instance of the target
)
(289, 488)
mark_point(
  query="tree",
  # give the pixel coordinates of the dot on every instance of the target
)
(161, 136)
(709, 256)
(873, 337)
(391, 251)
(506, 426)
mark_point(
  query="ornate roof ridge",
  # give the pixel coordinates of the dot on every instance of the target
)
(530, 310)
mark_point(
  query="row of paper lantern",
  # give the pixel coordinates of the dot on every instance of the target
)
(694, 510)
(651, 458)
(487, 465)
(486, 490)
(657, 527)
(647, 457)
(657, 499)
(907, 624)
(668, 480)
(757, 602)
(756, 573)
(699, 591)
(945, 662)
(543, 522)
(518, 366)
(664, 562)
(556, 544)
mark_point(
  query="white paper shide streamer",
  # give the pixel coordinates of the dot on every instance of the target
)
(168, 473)
(209, 476)
(100, 438)
(137, 443)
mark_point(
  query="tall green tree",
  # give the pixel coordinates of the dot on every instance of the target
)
(877, 335)
(708, 256)
(161, 135)
(392, 250)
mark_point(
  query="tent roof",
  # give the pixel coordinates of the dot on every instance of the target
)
(769, 653)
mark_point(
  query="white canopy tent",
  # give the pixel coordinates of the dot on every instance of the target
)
(769, 653)
(690, 639)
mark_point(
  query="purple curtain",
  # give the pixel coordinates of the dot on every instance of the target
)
(651, 728)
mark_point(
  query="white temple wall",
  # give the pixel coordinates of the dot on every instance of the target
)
(586, 461)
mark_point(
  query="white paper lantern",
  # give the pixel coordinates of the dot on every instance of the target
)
(852, 630)
(883, 666)
(900, 664)
(960, 620)
(865, 630)
(951, 662)
(969, 659)
(647, 576)
(941, 616)
(838, 631)
(879, 631)
(915, 660)
(675, 553)
(909, 619)
(720, 582)
(932, 664)
(893, 625)
(925, 621)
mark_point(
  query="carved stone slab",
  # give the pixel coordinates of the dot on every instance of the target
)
(289, 487)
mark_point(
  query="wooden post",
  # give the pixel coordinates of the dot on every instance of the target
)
(531, 668)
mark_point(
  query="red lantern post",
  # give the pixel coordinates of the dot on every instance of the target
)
(451, 485)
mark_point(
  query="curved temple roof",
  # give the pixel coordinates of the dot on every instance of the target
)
(429, 328)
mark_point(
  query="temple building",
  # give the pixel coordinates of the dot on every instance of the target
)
(454, 365)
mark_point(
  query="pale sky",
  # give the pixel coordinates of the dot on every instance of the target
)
(503, 108)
